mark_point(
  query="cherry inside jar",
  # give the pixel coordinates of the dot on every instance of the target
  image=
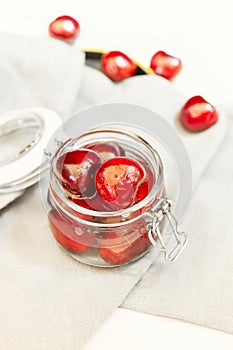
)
(102, 186)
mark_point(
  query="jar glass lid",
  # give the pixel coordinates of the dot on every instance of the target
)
(24, 133)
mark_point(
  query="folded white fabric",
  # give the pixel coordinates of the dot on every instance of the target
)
(199, 287)
(48, 300)
(38, 72)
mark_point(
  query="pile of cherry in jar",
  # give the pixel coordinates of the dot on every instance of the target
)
(101, 182)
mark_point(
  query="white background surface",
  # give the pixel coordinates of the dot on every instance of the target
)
(199, 32)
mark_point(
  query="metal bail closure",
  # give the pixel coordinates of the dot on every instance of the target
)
(163, 210)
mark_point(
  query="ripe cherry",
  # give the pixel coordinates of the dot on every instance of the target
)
(117, 66)
(197, 114)
(117, 249)
(76, 170)
(145, 187)
(64, 27)
(68, 234)
(165, 65)
(107, 150)
(117, 181)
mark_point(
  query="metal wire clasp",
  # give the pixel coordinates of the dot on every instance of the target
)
(161, 211)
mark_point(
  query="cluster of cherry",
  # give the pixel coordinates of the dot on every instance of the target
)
(101, 177)
(196, 115)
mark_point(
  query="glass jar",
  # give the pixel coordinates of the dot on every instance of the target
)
(112, 238)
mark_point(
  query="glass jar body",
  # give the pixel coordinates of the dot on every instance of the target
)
(105, 238)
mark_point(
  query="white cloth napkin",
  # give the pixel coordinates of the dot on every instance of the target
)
(199, 287)
(48, 300)
(38, 72)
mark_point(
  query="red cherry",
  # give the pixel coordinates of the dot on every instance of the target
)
(197, 114)
(145, 187)
(82, 202)
(117, 181)
(98, 203)
(76, 170)
(140, 245)
(117, 66)
(165, 65)
(106, 150)
(117, 249)
(68, 234)
(64, 27)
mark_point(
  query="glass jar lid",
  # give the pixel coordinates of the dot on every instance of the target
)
(24, 133)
